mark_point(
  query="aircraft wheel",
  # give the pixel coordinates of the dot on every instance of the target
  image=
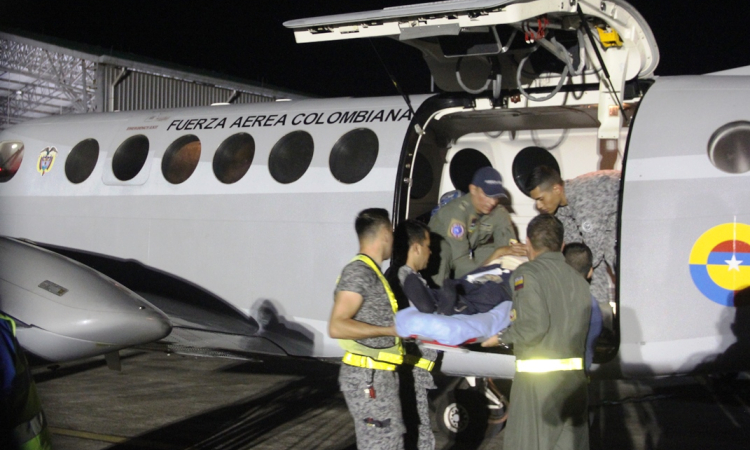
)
(462, 414)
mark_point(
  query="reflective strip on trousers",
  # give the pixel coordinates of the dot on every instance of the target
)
(548, 365)
(367, 362)
(29, 430)
(422, 363)
(425, 364)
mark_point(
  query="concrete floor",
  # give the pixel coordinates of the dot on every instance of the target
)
(175, 402)
(672, 413)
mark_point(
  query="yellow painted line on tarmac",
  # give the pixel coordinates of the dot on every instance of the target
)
(112, 439)
(89, 436)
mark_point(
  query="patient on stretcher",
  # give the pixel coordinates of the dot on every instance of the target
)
(478, 304)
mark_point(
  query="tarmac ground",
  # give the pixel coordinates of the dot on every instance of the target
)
(170, 402)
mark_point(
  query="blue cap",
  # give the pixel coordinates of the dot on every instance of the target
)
(490, 181)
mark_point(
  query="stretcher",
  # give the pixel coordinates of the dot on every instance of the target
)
(453, 330)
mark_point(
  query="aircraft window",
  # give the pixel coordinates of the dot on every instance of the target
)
(291, 156)
(353, 155)
(181, 158)
(528, 159)
(130, 157)
(11, 155)
(729, 147)
(422, 178)
(464, 164)
(82, 160)
(234, 157)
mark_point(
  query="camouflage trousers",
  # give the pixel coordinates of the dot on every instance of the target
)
(378, 421)
(426, 436)
(415, 385)
(601, 290)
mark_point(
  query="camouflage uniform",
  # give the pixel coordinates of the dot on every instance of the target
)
(422, 380)
(415, 386)
(591, 217)
(552, 306)
(468, 238)
(378, 421)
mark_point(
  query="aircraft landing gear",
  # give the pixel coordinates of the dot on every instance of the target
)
(498, 408)
(471, 409)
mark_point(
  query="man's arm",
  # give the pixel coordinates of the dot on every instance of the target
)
(446, 262)
(454, 247)
(515, 249)
(504, 236)
(503, 231)
(571, 233)
(532, 316)
(343, 326)
(416, 290)
(463, 262)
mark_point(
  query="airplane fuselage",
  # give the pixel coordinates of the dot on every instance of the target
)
(271, 241)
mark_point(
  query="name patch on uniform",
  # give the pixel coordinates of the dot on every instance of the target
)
(473, 224)
(518, 283)
(457, 229)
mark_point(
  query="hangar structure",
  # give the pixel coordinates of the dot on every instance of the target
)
(40, 76)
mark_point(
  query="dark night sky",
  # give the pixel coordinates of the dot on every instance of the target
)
(247, 39)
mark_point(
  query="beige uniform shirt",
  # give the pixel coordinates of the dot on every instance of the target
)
(468, 238)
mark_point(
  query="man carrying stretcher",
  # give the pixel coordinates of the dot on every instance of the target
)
(480, 291)
(461, 310)
(474, 294)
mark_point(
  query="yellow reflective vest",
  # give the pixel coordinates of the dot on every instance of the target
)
(360, 355)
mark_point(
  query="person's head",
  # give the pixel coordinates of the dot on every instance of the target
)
(546, 188)
(411, 244)
(579, 256)
(486, 189)
(544, 234)
(374, 230)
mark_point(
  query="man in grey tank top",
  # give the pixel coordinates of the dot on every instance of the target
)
(363, 321)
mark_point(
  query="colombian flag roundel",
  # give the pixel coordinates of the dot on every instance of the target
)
(720, 262)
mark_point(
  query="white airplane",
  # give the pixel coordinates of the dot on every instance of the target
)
(235, 221)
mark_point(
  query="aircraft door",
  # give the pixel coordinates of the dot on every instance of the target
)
(685, 232)
(420, 170)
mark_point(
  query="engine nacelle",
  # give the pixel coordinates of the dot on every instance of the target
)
(67, 310)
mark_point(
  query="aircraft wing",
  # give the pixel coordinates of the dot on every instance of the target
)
(202, 324)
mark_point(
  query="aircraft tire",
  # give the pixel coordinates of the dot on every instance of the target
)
(462, 414)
